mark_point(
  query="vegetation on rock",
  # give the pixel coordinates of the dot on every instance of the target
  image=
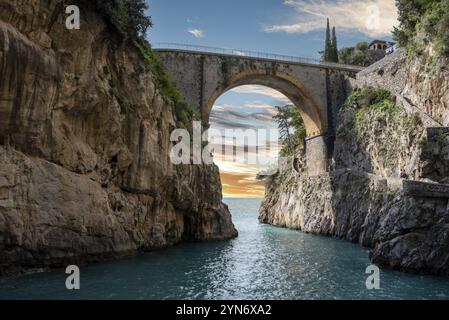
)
(371, 118)
(126, 16)
(368, 100)
(423, 22)
(129, 19)
(292, 129)
(184, 113)
(360, 55)
(330, 53)
(375, 104)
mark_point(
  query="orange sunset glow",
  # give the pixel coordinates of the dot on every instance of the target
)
(241, 185)
(245, 107)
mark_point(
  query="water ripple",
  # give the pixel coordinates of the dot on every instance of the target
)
(263, 263)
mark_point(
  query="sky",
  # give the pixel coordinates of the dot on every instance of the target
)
(246, 107)
(291, 27)
(288, 27)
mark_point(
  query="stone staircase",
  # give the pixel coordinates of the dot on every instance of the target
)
(412, 188)
(388, 73)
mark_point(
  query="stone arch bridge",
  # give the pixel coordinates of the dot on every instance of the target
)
(202, 74)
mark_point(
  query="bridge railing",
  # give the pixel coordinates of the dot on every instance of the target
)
(252, 54)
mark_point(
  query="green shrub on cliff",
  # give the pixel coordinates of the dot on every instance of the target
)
(378, 104)
(371, 101)
(292, 129)
(373, 121)
(368, 96)
(421, 22)
(184, 113)
(360, 55)
(128, 17)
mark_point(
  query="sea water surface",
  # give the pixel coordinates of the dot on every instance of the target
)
(262, 263)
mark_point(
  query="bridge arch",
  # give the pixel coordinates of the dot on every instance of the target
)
(292, 88)
(318, 89)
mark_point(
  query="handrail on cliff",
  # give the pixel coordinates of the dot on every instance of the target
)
(161, 46)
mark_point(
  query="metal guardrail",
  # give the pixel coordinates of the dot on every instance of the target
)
(252, 54)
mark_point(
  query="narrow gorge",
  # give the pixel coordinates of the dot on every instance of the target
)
(86, 118)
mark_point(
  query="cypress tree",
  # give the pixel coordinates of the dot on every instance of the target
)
(328, 43)
(334, 50)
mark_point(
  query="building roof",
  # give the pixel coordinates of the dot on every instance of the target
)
(381, 42)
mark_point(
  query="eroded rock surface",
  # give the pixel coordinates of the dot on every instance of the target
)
(85, 173)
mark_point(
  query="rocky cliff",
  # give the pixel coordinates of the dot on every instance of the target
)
(85, 173)
(363, 199)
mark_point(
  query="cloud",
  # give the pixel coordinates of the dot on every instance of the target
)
(239, 53)
(241, 185)
(374, 18)
(266, 91)
(251, 159)
(252, 115)
(193, 20)
(197, 33)
(238, 174)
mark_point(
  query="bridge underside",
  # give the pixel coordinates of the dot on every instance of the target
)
(317, 91)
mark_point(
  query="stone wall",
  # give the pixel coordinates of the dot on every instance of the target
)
(316, 156)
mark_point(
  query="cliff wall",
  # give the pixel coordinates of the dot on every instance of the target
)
(405, 222)
(85, 173)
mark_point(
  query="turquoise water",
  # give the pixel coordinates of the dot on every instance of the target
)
(263, 263)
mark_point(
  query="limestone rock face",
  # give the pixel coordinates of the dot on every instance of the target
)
(363, 200)
(428, 91)
(85, 172)
(419, 87)
(407, 233)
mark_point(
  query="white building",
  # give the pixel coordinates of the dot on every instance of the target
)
(381, 45)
